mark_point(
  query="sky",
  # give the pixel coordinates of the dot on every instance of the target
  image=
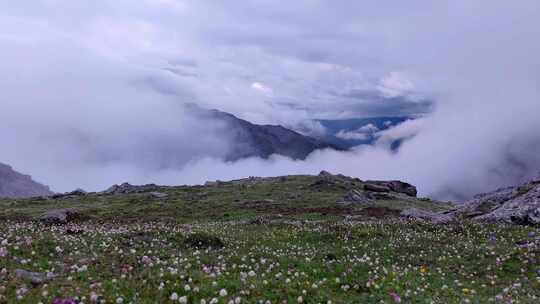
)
(92, 91)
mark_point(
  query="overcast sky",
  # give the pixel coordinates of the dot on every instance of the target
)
(86, 83)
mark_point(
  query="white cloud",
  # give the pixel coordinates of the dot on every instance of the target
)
(262, 88)
(352, 135)
(99, 119)
(395, 84)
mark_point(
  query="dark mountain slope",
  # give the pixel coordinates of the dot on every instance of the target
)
(252, 140)
(17, 185)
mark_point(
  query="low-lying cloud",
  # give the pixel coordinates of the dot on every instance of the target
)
(95, 95)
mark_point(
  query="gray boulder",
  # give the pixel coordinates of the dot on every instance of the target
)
(428, 216)
(376, 188)
(35, 278)
(59, 217)
(356, 197)
(158, 195)
(393, 186)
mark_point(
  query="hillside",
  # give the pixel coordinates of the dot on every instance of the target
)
(291, 239)
(16, 185)
(289, 196)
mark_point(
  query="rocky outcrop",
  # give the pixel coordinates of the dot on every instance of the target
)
(363, 192)
(127, 188)
(17, 185)
(518, 205)
(394, 186)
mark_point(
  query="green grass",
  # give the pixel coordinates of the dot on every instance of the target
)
(283, 239)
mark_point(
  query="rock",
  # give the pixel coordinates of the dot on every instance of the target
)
(35, 278)
(127, 188)
(432, 217)
(394, 186)
(325, 174)
(78, 192)
(401, 187)
(356, 197)
(376, 188)
(515, 205)
(59, 217)
(158, 195)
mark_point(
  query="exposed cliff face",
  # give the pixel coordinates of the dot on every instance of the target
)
(16, 185)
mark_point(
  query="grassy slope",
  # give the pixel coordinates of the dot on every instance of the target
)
(328, 258)
(294, 196)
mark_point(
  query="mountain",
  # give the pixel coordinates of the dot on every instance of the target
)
(347, 133)
(16, 185)
(252, 140)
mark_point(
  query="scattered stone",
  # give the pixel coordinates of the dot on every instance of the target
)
(356, 197)
(433, 217)
(158, 195)
(35, 278)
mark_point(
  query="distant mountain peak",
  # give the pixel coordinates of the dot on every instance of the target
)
(17, 185)
(253, 140)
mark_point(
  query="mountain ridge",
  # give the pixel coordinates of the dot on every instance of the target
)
(17, 185)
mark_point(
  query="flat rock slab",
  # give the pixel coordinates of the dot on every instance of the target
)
(428, 216)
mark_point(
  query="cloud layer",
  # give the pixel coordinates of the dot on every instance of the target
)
(92, 92)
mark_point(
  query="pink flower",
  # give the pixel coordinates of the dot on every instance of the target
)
(395, 297)
(3, 252)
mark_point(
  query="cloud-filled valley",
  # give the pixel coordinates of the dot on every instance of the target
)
(96, 93)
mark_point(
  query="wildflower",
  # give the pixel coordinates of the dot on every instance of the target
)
(174, 296)
(223, 293)
(63, 301)
(94, 297)
(183, 300)
(395, 297)
(187, 288)
(300, 299)
(119, 301)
